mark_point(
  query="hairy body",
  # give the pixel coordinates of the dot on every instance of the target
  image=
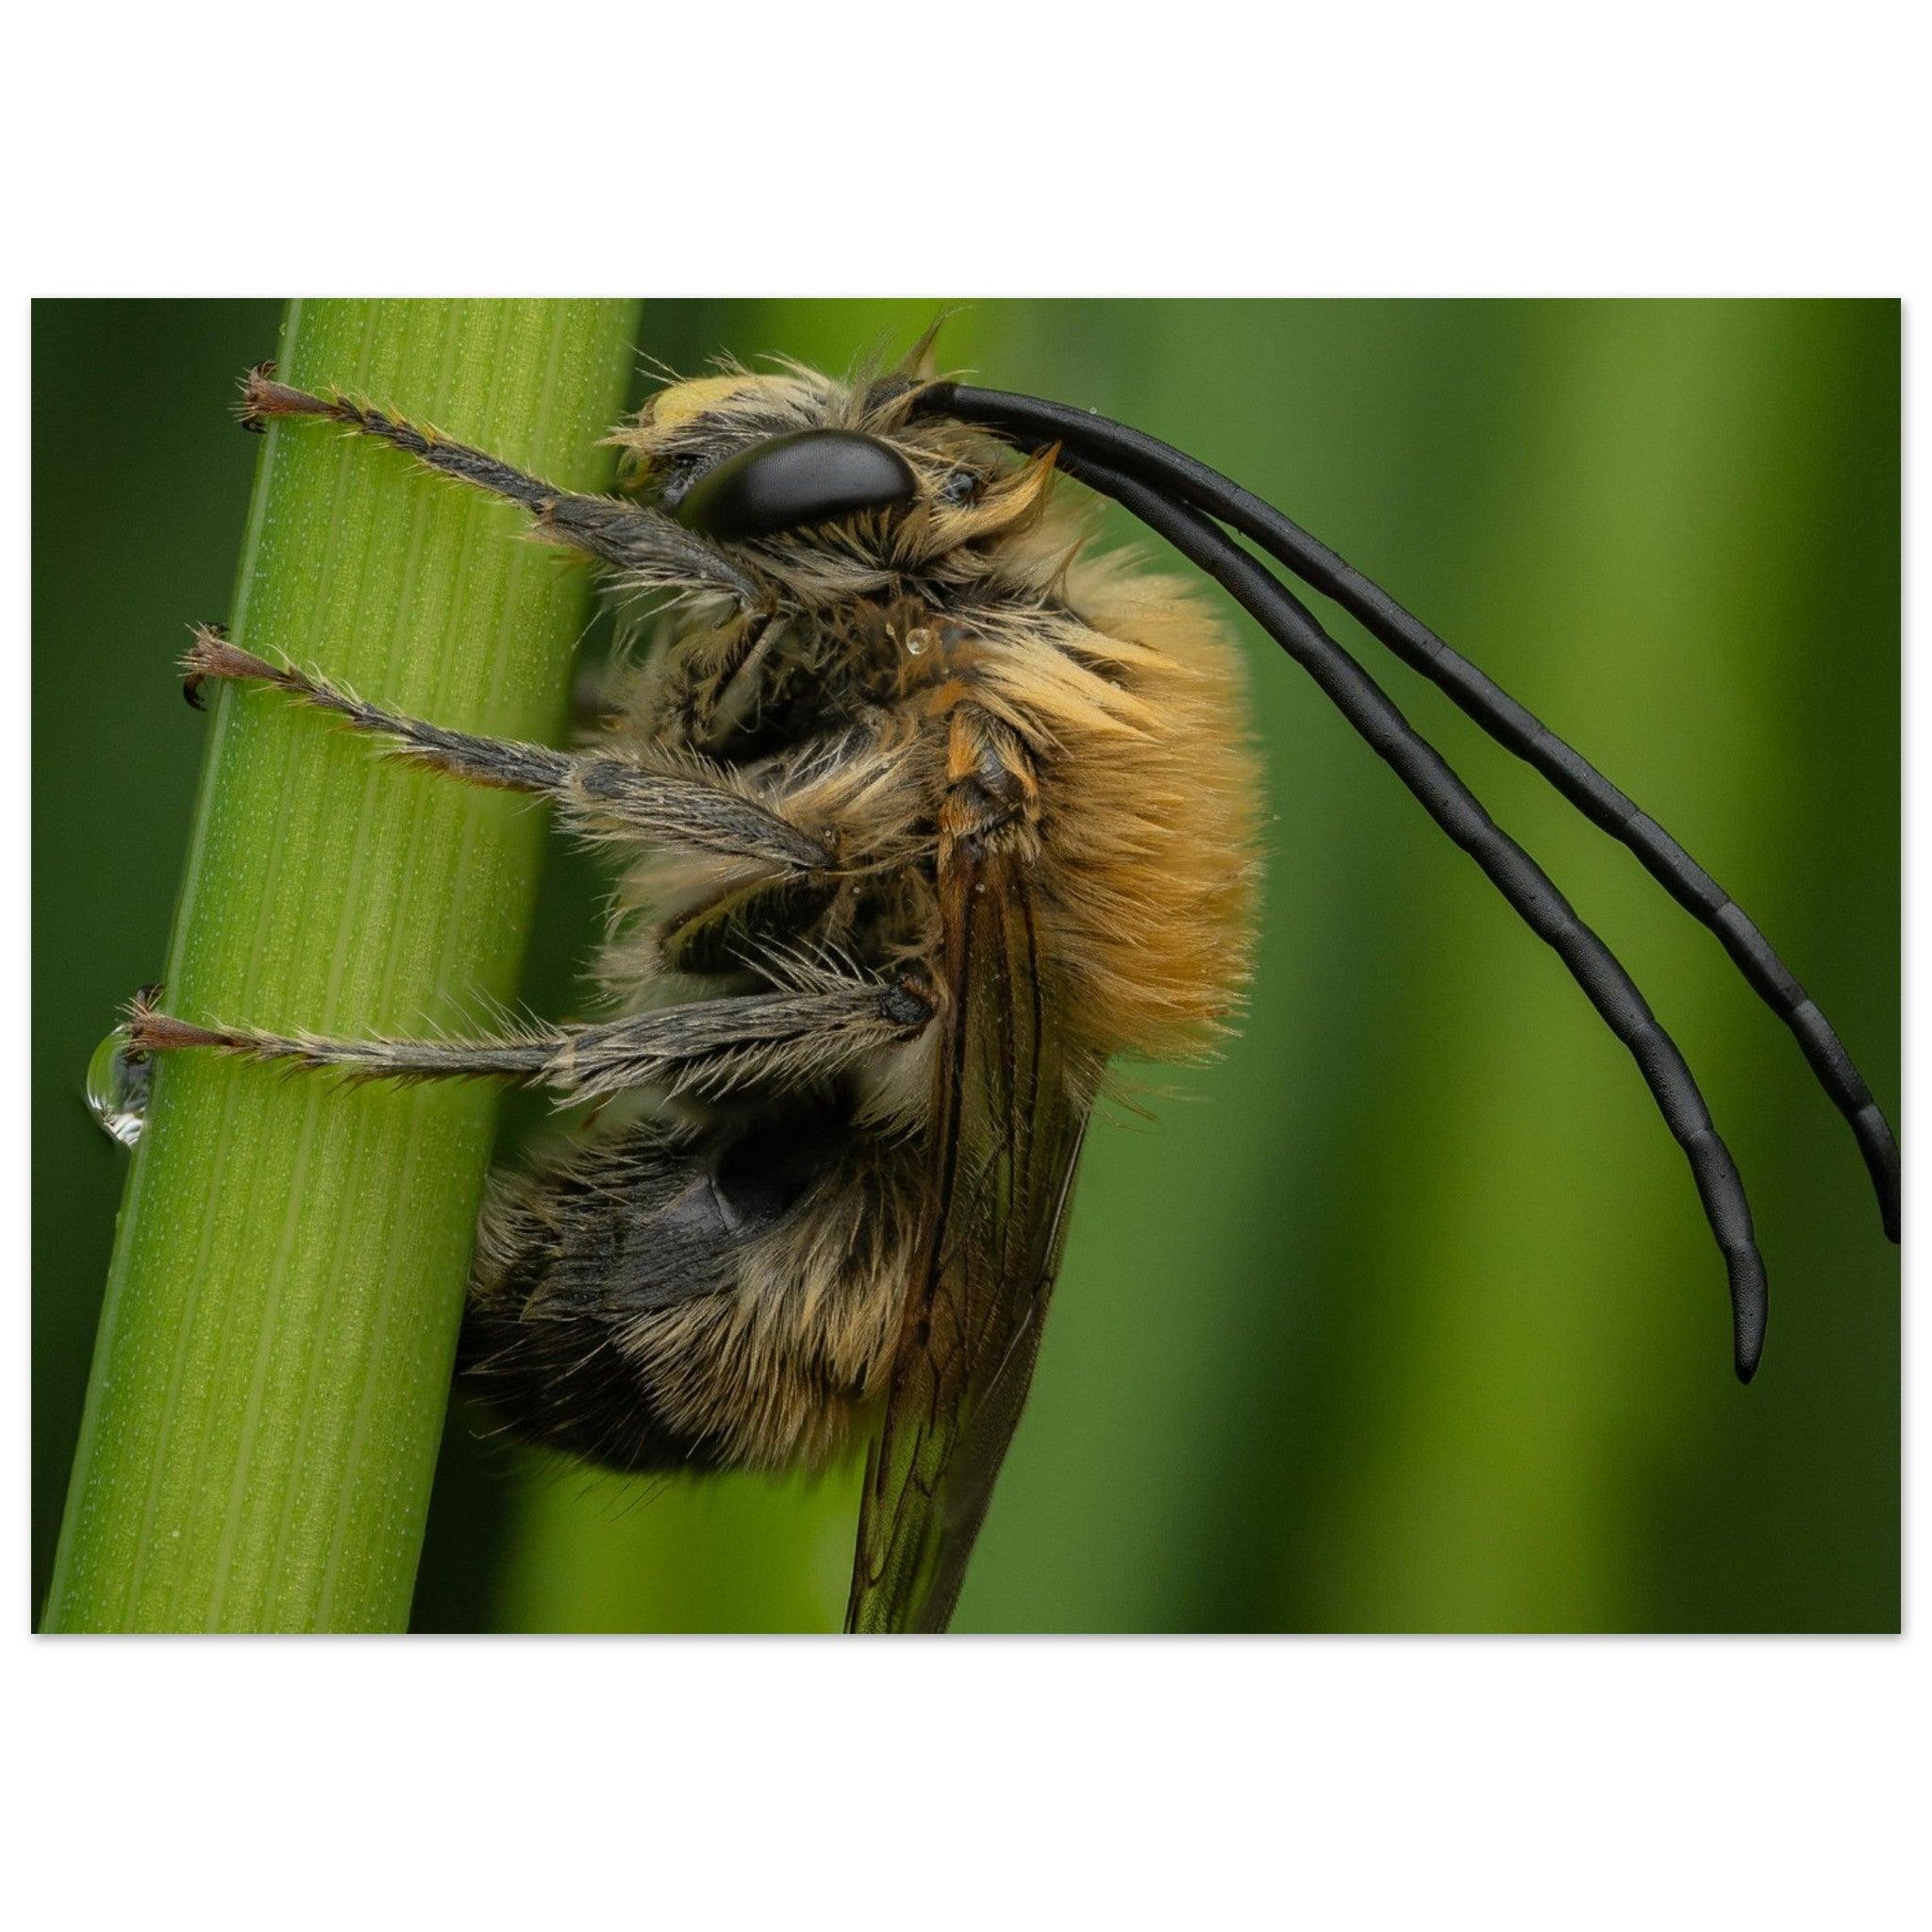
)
(838, 743)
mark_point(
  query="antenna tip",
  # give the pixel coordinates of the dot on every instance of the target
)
(1879, 1146)
(1750, 1312)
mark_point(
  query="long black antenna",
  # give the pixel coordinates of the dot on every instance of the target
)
(1173, 472)
(1509, 868)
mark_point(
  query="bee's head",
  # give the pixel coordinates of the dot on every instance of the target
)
(739, 458)
(746, 459)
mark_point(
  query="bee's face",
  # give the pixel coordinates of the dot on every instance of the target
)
(688, 429)
(742, 458)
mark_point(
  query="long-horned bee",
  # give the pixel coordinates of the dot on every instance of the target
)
(929, 810)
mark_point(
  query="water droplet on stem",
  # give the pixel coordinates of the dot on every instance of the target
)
(117, 1089)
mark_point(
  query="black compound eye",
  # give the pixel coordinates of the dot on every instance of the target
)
(790, 482)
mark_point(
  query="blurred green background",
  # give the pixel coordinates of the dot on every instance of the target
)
(1403, 1316)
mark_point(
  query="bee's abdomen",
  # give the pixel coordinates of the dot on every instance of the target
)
(557, 1379)
(689, 1297)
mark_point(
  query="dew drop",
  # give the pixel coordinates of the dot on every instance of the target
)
(918, 642)
(117, 1089)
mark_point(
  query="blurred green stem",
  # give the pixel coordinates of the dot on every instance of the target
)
(273, 1363)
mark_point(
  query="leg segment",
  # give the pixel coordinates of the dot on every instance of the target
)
(643, 543)
(601, 791)
(710, 1047)
(992, 792)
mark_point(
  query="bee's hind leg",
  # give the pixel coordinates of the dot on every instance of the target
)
(771, 1040)
(601, 791)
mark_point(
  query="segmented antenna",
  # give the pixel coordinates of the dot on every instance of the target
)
(1504, 863)
(1134, 454)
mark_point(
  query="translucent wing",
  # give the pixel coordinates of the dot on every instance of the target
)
(1010, 1113)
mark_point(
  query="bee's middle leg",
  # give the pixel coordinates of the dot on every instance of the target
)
(598, 790)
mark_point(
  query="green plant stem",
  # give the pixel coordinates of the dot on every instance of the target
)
(273, 1357)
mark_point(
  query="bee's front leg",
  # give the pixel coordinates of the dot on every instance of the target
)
(641, 542)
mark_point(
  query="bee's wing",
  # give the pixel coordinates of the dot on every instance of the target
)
(1004, 1147)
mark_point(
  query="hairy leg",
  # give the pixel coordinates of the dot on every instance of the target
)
(643, 543)
(711, 1047)
(601, 791)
